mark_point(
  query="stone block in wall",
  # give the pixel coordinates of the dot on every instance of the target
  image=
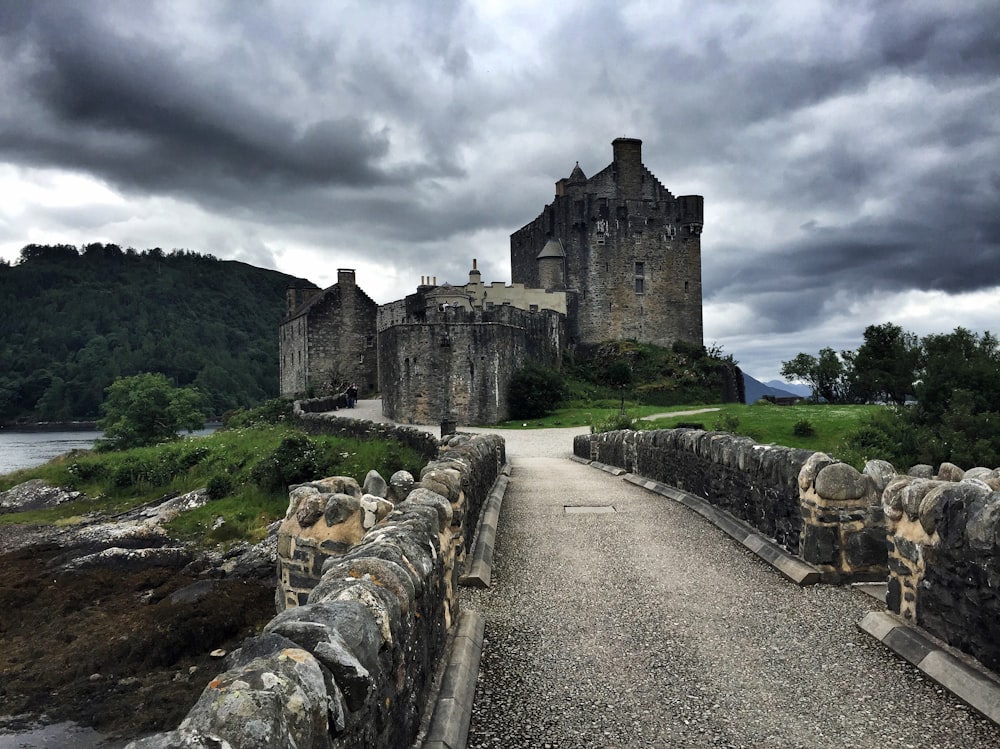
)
(843, 529)
(325, 518)
(820, 544)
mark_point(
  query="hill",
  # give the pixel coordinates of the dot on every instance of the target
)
(72, 321)
(755, 389)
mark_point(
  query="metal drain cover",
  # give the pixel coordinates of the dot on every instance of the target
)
(590, 509)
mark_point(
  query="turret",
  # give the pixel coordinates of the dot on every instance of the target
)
(552, 265)
(692, 213)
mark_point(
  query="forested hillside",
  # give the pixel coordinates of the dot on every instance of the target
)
(72, 321)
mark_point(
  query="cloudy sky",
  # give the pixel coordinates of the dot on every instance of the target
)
(848, 151)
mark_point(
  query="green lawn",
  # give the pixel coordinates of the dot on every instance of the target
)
(770, 424)
(762, 422)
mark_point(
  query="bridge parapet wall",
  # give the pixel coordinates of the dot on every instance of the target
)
(934, 536)
(313, 416)
(812, 505)
(944, 556)
(353, 665)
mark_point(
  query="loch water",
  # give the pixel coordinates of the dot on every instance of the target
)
(27, 449)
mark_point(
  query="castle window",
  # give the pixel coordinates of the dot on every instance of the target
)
(489, 305)
(640, 278)
(369, 341)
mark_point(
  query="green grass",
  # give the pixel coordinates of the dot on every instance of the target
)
(763, 422)
(769, 424)
(253, 465)
(581, 415)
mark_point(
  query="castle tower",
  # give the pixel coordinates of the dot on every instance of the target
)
(632, 253)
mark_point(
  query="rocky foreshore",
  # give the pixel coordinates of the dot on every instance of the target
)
(110, 623)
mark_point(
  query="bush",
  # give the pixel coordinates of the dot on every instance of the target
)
(535, 392)
(295, 460)
(804, 428)
(219, 486)
(613, 423)
(274, 411)
(727, 422)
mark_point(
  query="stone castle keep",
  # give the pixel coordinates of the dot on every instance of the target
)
(613, 257)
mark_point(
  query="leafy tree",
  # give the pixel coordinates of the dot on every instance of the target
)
(825, 374)
(957, 414)
(535, 392)
(619, 376)
(884, 368)
(147, 410)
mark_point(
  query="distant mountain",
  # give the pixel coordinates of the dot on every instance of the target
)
(804, 390)
(755, 389)
(73, 320)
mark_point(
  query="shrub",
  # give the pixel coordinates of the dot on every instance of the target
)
(727, 422)
(293, 461)
(804, 428)
(535, 392)
(273, 411)
(219, 486)
(613, 423)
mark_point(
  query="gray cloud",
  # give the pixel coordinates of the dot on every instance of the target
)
(845, 150)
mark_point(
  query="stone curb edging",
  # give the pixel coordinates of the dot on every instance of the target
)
(970, 682)
(480, 567)
(449, 726)
(799, 572)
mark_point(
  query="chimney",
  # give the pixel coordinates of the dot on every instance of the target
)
(345, 276)
(628, 166)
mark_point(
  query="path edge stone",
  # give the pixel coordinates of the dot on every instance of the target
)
(964, 677)
(449, 726)
(479, 569)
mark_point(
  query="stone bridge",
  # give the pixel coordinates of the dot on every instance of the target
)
(606, 606)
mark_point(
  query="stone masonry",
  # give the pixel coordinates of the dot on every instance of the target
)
(613, 257)
(631, 253)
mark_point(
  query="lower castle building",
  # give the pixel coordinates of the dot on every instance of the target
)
(615, 256)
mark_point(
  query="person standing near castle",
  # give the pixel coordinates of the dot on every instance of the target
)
(352, 395)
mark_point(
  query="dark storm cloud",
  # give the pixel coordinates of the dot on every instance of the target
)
(137, 114)
(844, 150)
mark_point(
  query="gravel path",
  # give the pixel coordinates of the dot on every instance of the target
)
(649, 627)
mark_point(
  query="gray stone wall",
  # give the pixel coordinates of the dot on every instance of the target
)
(633, 253)
(756, 483)
(459, 363)
(944, 556)
(814, 506)
(311, 416)
(354, 665)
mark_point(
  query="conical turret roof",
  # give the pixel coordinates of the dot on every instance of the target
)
(577, 175)
(552, 248)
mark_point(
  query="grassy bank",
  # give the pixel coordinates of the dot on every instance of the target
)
(246, 471)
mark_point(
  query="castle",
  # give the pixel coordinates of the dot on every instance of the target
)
(614, 256)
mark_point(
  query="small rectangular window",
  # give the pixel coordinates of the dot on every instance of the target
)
(640, 286)
(640, 269)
